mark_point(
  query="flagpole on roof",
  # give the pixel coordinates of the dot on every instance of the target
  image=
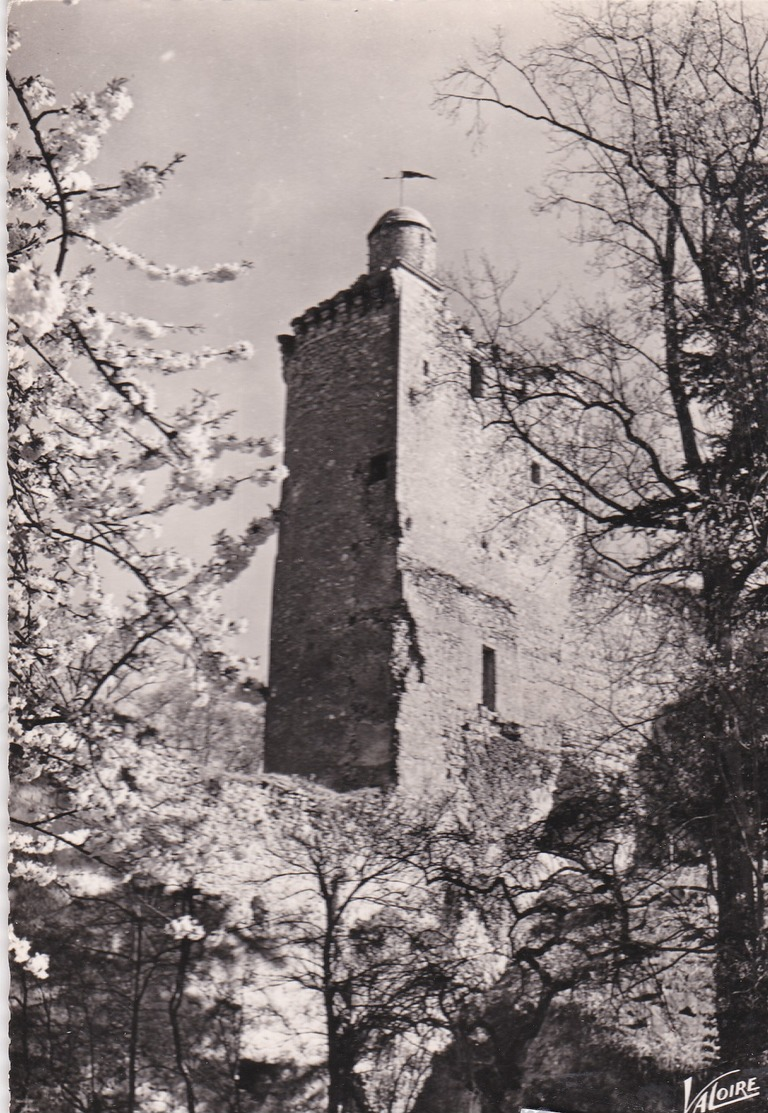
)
(401, 177)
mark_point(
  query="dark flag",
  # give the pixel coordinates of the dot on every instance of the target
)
(408, 174)
(401, 177)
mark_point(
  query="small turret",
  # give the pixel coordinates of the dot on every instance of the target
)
(402, 236)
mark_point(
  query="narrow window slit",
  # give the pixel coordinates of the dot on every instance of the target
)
(378, 467)
(489, 678)
(476, 381)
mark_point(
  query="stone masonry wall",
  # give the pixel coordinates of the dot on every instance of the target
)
(470, 580)
(395, 572)
(332, 705)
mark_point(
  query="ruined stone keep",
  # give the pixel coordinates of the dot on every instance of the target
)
(406, 624)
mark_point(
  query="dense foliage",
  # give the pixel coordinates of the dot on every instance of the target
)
(109, 795)
(647, 411)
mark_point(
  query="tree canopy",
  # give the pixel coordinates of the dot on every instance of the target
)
(647, 409)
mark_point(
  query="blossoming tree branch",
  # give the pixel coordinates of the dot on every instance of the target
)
(99, 605)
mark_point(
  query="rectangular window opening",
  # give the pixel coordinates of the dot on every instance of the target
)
(489, 678)
(378, 467)
(476, 381)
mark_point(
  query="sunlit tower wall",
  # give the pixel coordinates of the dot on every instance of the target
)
(409, 627)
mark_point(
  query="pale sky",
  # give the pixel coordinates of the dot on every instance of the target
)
(290, 113)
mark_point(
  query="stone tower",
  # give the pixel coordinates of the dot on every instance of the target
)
(404, 627)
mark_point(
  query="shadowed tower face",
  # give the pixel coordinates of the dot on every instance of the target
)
(395, 622)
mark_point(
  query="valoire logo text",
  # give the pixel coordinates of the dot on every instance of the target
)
(727, 1089)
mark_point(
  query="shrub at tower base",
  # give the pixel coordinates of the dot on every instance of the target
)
(649, 411)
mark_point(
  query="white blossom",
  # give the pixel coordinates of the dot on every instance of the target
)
(20, 949)
(115, 100)
(77, 180)
(39, 93)
(271, 446)
(241, 351)
(38, 966)
(74, 147)
(223, 272)
(36, 300)
(88, 883)
(185, 927)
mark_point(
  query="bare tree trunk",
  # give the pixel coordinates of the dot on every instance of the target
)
(740, 965)
(174, 1010)
(21, 1038)
(136, 994)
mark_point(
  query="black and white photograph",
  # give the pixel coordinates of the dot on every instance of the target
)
(387, 556)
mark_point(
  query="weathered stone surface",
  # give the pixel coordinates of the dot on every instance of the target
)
(402, 236)
(393, 573)
(331, 710)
